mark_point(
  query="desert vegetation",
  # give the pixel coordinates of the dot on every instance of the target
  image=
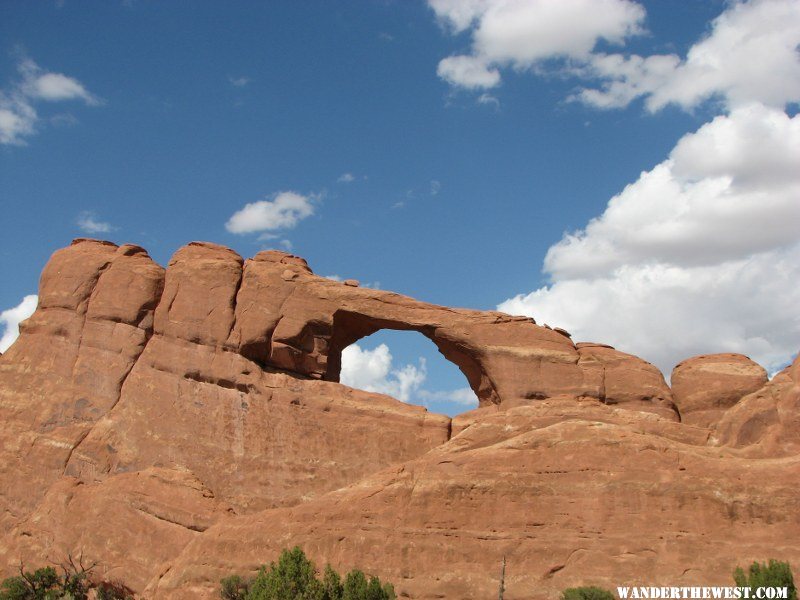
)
(294, 577)
(771, 574)
(587, 593)
(72, 580)
(774, 573)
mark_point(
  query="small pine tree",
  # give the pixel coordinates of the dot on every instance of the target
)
(773, 574)
(355, 586)
(332, 584)
(587, 593)
(378, 591)
(292, 577)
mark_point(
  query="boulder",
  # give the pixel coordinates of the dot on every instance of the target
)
(764, 424)
(704, 387)
(614, 377)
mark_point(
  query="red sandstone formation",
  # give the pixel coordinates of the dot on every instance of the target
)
(704, 387)
(765, 422)
(178, 426)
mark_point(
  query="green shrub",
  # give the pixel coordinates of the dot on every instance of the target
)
(42, 584)
(233, 588)
(332, 584)
(294, 577)
(46, 584)
(774, 574)
(357, 587)
(15, 588)
(587, 593)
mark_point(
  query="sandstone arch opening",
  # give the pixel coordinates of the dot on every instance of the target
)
(406, 366)
(388, 354)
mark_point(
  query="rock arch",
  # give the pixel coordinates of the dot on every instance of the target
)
(273, 310)
(290, 319)
(349, 327)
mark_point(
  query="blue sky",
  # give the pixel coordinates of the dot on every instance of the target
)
(627, 170)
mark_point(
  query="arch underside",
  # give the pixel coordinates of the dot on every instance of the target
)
(349, 327)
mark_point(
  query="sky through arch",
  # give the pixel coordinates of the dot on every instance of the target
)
(407, 366)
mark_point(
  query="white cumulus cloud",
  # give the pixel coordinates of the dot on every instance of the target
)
(727, 191)
(372, 371)
(18, 116)
(284, 211)
(523, 33)
(12, 317)
(749, 55)
(700, 254)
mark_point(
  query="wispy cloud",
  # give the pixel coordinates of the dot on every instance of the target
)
(240, 81)
(90, 223)
(488, 100)
(346, 178)
(64, 120)
(18, 115)
(463, 396)
(375, 285)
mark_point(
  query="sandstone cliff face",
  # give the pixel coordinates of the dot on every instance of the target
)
(570, 495)
(182, 425)
(95, 315)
